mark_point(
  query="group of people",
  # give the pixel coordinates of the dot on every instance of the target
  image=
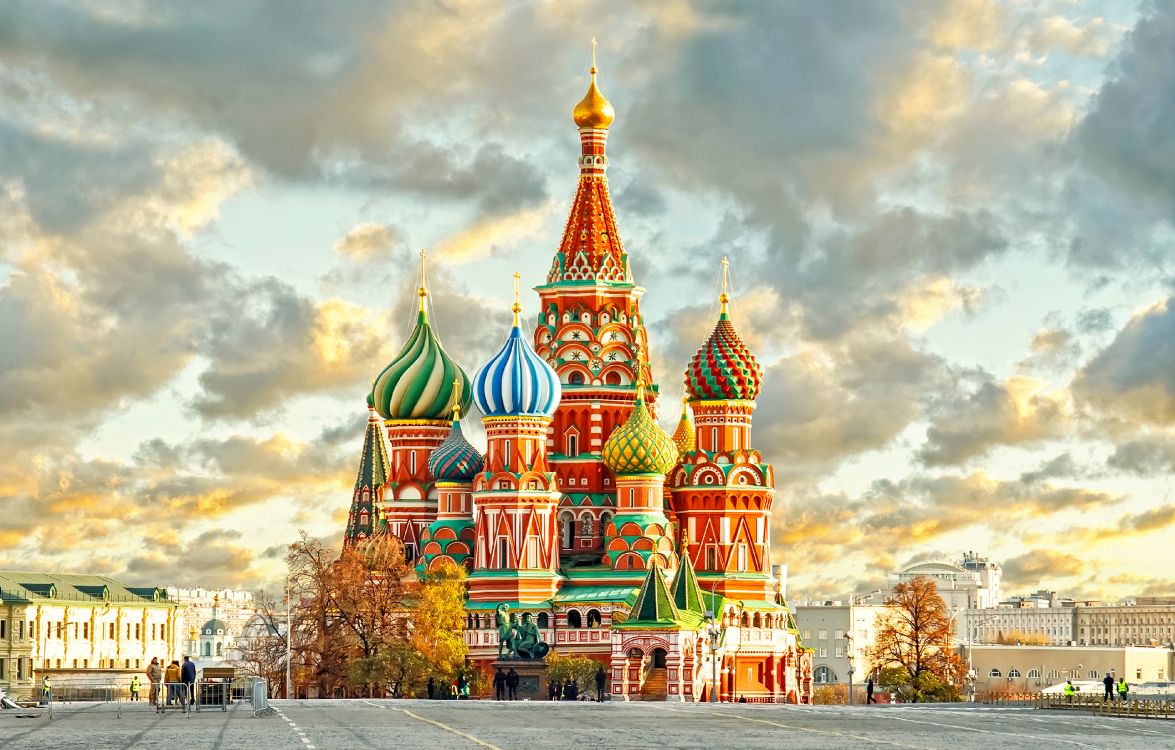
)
(458, 689)
(506, 681)
(1120, 687)
(178, 679)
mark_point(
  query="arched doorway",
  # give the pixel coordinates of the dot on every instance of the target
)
(659, 657)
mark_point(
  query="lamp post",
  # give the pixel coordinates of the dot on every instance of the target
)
(849, 654)
(289, 643)
(714, 633)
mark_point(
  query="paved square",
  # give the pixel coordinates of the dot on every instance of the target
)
(407, 725)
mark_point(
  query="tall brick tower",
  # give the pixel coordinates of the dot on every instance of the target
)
(414, 395)
(590, 331)
(722, 490)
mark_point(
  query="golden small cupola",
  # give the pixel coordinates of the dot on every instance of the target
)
(593, 110)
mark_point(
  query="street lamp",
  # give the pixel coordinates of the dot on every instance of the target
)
(714, 633)
(849, 653)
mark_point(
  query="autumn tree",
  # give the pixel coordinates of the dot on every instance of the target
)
(261, 647)
(562, 668)
(438, 620)
(1020, 638)
(346, 607)
(913, 652)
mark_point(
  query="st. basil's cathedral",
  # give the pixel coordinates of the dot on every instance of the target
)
(618, 538)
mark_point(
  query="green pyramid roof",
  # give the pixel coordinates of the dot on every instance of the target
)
(687, 594)
(373, 474)
(654, 604)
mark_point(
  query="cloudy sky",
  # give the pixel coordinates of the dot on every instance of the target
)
(950, 227)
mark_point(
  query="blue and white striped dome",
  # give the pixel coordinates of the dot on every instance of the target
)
(516, 381)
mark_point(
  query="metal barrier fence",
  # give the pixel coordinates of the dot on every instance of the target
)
(174, 696)
(61, 697)
(1131, 708)
(260, 698)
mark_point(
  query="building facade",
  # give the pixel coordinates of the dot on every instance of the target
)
(839, 635)
(970, 583)
(230, 608)
(583, 512)
(1004, 623)
(1125, 625)
(1033, 668)
(78, 629)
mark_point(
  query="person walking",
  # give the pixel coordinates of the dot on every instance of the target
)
(462, 686)
(46, 689)
(869, 692)
(500, 684)
(1123, 689)
(154, 676)
(188, 677)
(135, 685)
(512, 684)
(601, 680)
(1108, 681)
(171, 678)
(1070, 691)
(432, 688)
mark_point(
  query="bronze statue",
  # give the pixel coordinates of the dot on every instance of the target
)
(518, 640)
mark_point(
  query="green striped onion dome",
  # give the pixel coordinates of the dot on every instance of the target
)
(418, 384)
(724, 368)
(639, 446)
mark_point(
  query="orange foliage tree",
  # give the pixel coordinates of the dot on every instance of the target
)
(913, 652)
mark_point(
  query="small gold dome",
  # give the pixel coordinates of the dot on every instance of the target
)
(593, 110)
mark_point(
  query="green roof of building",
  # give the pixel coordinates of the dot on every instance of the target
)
(687, 594)
(654, 604)
(585, 594)
(32, 587)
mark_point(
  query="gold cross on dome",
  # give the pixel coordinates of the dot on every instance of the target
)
(517, 307)
(725, 283)
(423, 291)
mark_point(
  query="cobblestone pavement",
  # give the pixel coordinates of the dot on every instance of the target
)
(406, 725)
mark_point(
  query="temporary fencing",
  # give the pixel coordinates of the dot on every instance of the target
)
(175, 696)
(1143, 708)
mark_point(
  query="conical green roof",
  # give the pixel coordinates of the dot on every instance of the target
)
(653, 604)
(371, 477)
(687, 594)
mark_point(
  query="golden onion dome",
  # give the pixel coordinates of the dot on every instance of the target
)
(684, 437)
(593, 110)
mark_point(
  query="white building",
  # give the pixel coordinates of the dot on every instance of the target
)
(823, 627)
(1056, 624)
(223, 613)
(971, 583)
(80, 629)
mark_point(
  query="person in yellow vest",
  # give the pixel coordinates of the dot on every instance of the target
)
(1070, 691)
(46, 689)
(135, 685)
(1123, 688)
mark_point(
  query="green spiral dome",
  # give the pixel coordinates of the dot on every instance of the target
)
(418, 383)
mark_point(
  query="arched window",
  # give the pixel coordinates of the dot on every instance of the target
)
(220, 649)
(543, 620)
(593, 618)
(586, 527)
(575, 378)
(567, 530)
(207, 648)
(572, 444)
(1034, 674)
(574, 619)
(605, 519)
(1013, 672)
(612, 378)
(994, 673)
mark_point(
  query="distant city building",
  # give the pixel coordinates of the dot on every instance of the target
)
(823, 626)
(75, 628)
(971, 583)
(1030, 668)
(212, 618)
(1126, 625)
(1056, 624)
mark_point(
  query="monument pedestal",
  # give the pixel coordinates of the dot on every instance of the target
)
(532, 677)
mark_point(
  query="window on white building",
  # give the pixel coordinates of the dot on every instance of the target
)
(994, 673)
(1013, 672)
(1034, 674)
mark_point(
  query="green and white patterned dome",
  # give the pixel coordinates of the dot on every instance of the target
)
(419, 381)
